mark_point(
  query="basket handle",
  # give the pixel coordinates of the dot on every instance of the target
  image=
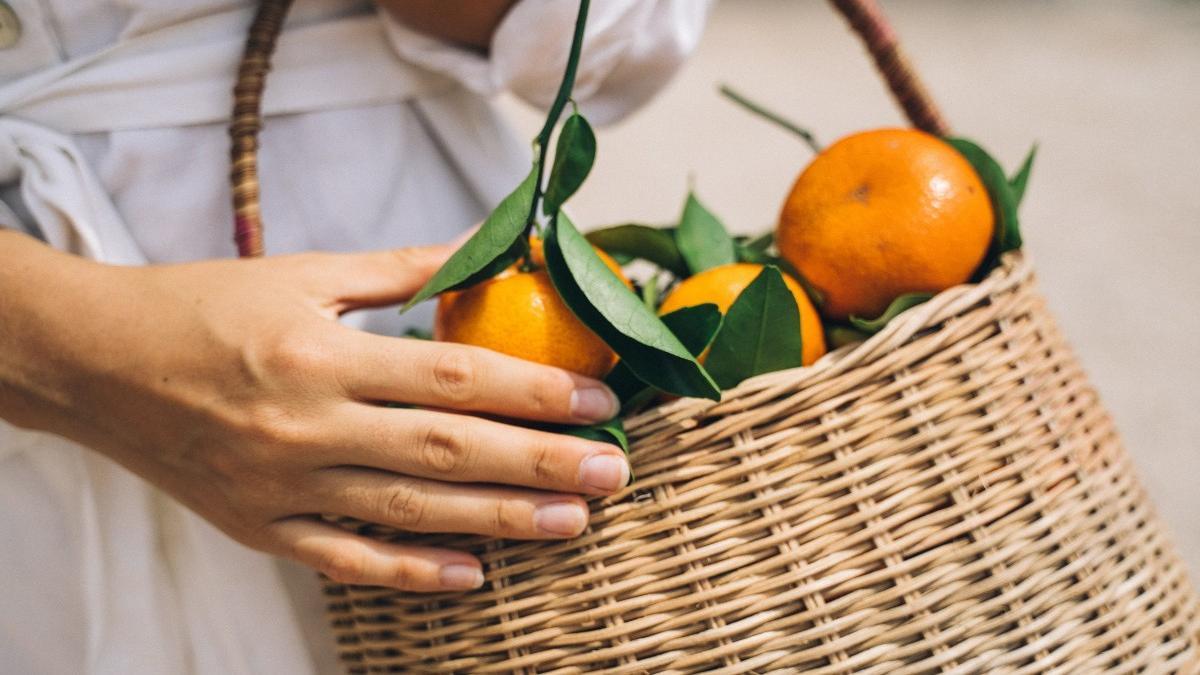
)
(246, 123)
(865, 17)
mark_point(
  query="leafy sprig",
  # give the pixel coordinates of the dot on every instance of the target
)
(593, 293)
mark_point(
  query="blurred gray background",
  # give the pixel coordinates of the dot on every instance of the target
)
(1111, 91)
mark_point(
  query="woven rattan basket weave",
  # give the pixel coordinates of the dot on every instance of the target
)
(949, 496)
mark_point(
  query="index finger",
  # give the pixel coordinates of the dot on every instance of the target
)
(472, 379)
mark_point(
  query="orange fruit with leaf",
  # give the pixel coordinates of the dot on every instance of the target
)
(884, 213)
(722, 285)
(519, 312)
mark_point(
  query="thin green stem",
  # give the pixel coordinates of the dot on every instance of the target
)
(560, 101)
(568, 81)
(770, 116)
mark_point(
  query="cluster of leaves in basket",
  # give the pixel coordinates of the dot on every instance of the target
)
(759, 333)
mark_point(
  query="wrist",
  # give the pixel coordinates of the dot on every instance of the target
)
(44, 303)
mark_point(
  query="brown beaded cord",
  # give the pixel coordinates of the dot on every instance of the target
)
(246, 123)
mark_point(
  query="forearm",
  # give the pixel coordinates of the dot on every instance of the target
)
(40, 289)
(465, 22)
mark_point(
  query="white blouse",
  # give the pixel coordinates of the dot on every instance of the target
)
(113, 146)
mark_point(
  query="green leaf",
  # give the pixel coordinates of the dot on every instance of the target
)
(605, 305)
(495, 239)
(900, 304)
(760, 243)
(418, 333)
(754, 250)
(612, 431)
(1007, 235)
(760, 333)
(573, 159)
(502, 262)
(654, 244)
(753, 254)
(1021, 178)
(624, 383)
(839, 336)
(703, 240)
(695, 327)
(650, 293)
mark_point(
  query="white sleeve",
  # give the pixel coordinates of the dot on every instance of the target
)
(630, 51)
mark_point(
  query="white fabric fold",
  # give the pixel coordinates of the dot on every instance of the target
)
(183, 75)
(633, 49)
(71, 208)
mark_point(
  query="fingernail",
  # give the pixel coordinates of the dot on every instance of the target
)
(461, 576)
(607, 473)
(560, 519)
(594, 404)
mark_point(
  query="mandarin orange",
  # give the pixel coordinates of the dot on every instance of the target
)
(882, 213)
(519, 313)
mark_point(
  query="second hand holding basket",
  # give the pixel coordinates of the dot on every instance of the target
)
(948, 496)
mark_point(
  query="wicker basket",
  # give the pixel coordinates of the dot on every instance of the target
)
(949, 496)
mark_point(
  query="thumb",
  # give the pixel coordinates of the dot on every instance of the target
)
(379, 278)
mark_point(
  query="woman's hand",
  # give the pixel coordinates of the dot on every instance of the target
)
(231, 386)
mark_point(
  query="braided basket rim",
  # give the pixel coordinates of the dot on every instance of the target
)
(1015, 268)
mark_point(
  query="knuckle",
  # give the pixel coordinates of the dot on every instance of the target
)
(342, 564)
(403, 577)
(510, 518)
(550, 392)
(405, 505)
(412, 259)
(403, 257)
(446, 449)
(456, 376)
(297, 352)
(543, 464)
